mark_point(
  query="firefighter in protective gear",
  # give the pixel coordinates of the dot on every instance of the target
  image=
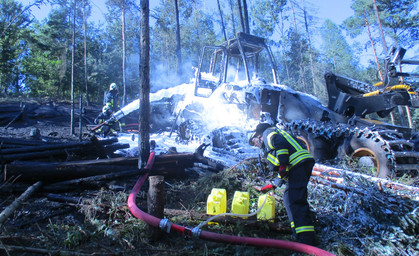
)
(111, 104)
(294, 164)
(105, 116)
(111, 98)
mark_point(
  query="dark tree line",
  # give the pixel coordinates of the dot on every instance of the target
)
(35, 57)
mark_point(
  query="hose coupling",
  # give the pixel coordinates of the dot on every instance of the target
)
(196, 232)
(165, 225)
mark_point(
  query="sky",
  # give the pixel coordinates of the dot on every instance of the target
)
(335, 10)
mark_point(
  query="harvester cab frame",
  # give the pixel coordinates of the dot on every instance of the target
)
(243, 58)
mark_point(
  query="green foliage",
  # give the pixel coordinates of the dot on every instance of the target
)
(35, 57)
(266, 16)
(337, 53)
(399, 20)
(13, 37)
(297, 73)
(197, 30)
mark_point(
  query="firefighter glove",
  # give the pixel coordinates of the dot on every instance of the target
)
(283, 171)
(266, 188)
(277, 182)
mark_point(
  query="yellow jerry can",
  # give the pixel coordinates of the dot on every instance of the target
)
(240, 204)
(268, 210)
(217, 201)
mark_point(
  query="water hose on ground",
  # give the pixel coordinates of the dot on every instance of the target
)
(165, 225)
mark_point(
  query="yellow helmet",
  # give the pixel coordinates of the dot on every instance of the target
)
(113, 86)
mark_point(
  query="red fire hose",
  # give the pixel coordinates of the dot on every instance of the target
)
(210, 236)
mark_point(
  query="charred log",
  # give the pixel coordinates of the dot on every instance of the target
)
(167, 165)
(56, 151)
(4, 215)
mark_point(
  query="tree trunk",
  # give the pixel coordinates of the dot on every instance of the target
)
(367, 24)
(293, 17)
(246, 17)
(73, 45)
(383, 39)
(282, 48)
(222, 20)
(178, 46)
(124, 86)
(85, 54)
(241, 15)
(232, 16)
(144, 129)
(310, 51)
(80, 117)
(155, 202)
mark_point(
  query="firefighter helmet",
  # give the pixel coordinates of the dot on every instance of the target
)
(260, 128)
(113, 86)
(106, 109)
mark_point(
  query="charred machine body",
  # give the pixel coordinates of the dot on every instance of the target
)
(242, 73)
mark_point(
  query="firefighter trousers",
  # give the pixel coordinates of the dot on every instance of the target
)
(295, 200)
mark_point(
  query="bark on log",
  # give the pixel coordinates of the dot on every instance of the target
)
(15, 141)
(168, 165)
(16, 117)
(85, 148)
(382, 182)
(22, 198)
(155, 203)
(155, 196)
(83, 182)
(31, 149)
(99, 147)
(338, 186)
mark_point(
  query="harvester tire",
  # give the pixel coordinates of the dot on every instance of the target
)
(317, 145)
(357, 146)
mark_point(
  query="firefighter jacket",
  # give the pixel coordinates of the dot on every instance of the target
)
(281, 148)
(111, 100)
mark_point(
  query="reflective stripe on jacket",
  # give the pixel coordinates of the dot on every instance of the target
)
(282, 148)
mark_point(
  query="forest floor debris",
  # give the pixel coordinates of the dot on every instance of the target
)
(366, 219)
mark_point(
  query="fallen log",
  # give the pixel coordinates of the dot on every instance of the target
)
(64, 199)
(31, 149)
(66, 210)
(20, 142)
(77, 183)
(167, 165)
(85, 149)
(4, 215)
(49, 154)
(381, 182)
(327, 177)
(16, 117)
(338, 186)
(99, 147)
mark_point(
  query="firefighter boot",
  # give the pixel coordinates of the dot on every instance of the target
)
(306, 238)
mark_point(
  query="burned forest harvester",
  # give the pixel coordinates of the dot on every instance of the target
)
(236, 85)
(243, 73)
